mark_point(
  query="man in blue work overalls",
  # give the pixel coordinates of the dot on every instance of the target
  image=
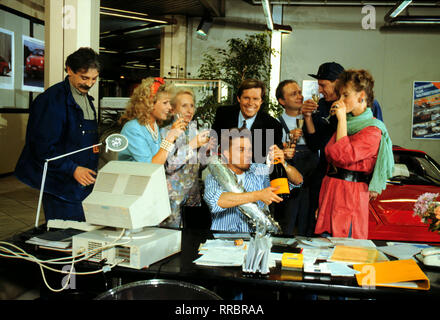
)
(63, 119)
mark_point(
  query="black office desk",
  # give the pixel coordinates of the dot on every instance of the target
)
(181, 267)
(279, 283)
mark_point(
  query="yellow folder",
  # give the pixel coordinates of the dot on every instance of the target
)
(350, 254)
(398, 273)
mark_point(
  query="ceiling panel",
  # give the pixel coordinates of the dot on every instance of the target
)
(158, 7)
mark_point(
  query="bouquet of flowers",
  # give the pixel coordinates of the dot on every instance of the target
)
(428, 210)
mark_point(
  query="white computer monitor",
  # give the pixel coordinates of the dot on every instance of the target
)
(128, 195)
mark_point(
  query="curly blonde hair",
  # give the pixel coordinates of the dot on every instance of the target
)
(142, 101)
(360, 80)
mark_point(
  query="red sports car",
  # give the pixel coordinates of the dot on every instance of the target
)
(35, 63)
(391, 214)
(4, 67)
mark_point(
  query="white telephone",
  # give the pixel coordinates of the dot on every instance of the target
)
(430, 256)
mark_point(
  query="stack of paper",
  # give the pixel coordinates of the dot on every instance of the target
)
(352, 255)
(221, 258)
(60, 239)
(219, 252)
(225, 253)
(337, 241)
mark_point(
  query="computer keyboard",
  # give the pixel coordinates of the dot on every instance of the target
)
(66, 224)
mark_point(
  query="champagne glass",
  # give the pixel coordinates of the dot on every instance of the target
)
(204, 125)
(290, 140)
(299, 123)
(331, 113)
(315, 97)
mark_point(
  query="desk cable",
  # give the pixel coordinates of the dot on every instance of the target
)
(22, 254)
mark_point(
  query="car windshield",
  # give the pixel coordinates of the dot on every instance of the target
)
(38, 52)
(415, 168)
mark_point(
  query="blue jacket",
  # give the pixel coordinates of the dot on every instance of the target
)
(56, 126)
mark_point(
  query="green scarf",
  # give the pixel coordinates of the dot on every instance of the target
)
(385, 160)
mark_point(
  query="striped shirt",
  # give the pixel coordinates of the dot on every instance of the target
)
(231, 219)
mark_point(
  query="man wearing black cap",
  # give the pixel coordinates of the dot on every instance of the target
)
(324, 126)
(319, 127)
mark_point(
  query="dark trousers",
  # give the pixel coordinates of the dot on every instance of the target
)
(299, 210)
(56, 208)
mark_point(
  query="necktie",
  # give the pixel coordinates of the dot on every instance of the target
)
(243, 126)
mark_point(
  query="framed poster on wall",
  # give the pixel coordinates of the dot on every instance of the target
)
(7, 55)
(426, 110)
(309, 89)
(33, 64)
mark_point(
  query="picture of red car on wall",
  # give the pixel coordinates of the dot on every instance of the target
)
(33, 64)
(6, 59)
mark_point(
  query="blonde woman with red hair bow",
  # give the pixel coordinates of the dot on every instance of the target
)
(149, 105)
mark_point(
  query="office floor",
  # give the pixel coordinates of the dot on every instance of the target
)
(18, 207)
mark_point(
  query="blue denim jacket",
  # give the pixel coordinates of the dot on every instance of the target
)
(56, 126)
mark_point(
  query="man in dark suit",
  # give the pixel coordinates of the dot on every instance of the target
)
(266, 131)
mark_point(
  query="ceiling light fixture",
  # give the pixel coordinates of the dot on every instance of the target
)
(107, 51)
(416, 20)
(283, 28)
(398, 8)
(204, 26)
(267, 14)
(392, 17)
(141, 50)
(132, 15)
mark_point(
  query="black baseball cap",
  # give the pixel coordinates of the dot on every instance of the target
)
(328, 71)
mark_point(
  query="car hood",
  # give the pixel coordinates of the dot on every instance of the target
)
(396, 203)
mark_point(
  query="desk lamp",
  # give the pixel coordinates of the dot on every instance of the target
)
(114, 142)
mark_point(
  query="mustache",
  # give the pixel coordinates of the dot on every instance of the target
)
(85, 87)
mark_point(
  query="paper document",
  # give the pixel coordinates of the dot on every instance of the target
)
(304, 242)
(352, 242)
(222, 244)
(401, 251)
(245, 236)
(221, 258)
(60, 239)
(352, 255)
(320, 268)
(338, 269)
(313, 254)
(419, 245)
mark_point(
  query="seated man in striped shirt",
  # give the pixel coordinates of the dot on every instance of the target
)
(237, 154)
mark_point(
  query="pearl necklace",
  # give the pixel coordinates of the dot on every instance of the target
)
(154, 132)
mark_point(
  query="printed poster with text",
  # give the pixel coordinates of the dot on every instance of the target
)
(426, 110)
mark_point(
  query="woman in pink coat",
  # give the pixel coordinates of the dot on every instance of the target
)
(360, 160)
